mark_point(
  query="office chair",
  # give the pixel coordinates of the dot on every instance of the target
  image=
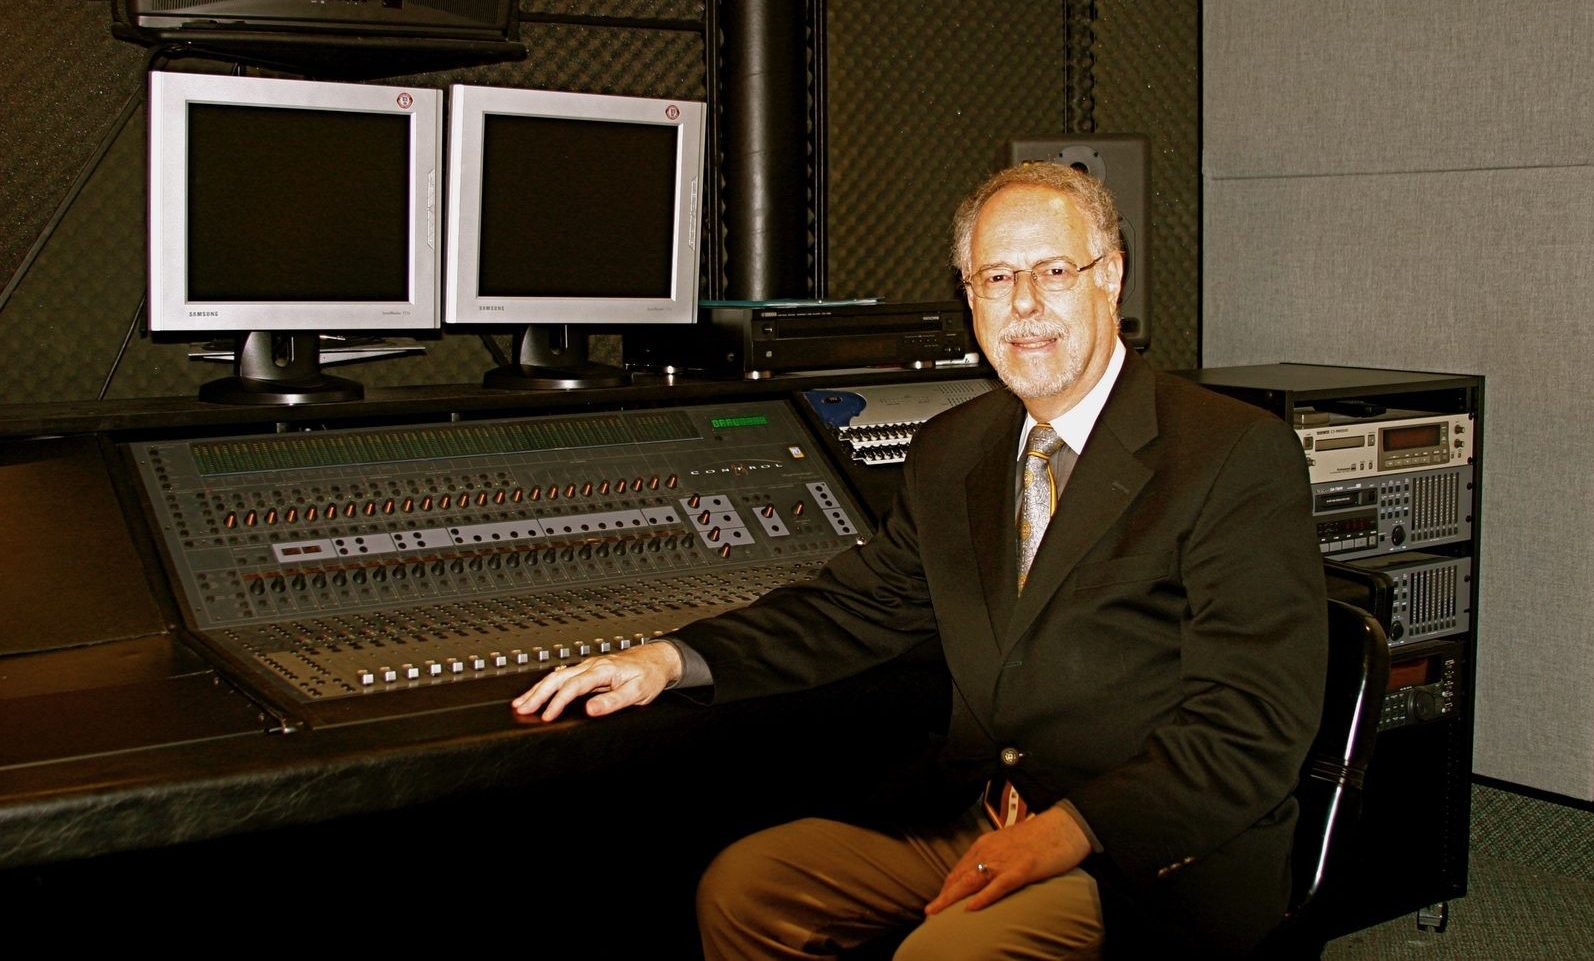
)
(1330, 788)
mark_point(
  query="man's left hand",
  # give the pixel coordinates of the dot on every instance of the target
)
(1002, 861)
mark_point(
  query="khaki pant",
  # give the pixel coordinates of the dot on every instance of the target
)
(814, 888)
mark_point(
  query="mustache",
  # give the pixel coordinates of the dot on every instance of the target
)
(1033, 329)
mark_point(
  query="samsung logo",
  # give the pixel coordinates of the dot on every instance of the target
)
(483, 307)
(204, 313)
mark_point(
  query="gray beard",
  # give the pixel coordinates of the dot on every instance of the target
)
(1026, 382)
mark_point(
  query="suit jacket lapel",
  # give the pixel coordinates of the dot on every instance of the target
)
(1105, 481)
(991, 509)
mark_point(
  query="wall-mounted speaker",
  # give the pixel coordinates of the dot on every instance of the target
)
(1119, 161)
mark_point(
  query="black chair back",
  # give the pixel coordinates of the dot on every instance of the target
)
(1329, 792)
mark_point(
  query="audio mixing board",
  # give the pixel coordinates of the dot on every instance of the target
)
(448, 564)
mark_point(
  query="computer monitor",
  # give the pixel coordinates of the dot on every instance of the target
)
(281, 210)
(567, 210)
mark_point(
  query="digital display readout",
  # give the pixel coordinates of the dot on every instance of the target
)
(1414, 437)
(1341, 443)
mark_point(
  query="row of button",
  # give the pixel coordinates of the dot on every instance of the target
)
(529, 557)
(426, 502)
(495, 660)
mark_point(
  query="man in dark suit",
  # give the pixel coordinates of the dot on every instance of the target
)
(1132, 705)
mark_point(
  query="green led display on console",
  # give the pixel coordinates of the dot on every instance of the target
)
(757, 420)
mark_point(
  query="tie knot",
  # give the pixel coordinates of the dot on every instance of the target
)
(1043, 441)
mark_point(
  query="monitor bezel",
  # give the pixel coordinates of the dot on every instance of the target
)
(469, 108)
(170, 309)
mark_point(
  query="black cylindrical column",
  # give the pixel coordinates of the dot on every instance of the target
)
(763, 143)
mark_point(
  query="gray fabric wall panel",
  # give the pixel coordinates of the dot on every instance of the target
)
(1370, 86)
(1306, 276)
(1464, 244)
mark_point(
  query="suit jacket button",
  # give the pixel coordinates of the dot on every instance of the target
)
(1011, 756)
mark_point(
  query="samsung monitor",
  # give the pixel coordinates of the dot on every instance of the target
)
(567, 210)
(281, 210)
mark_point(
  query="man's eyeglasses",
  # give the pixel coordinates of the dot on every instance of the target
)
(1053, 276)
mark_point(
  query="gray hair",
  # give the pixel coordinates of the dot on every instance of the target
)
(1091, 195)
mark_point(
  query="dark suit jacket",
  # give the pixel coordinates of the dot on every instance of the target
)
(1163, 669)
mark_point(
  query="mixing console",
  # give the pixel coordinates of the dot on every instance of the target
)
(338, 564)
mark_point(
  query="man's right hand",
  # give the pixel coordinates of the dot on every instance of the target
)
(630, 677)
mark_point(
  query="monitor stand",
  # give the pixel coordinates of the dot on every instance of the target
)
(279, 367)
(553, 357)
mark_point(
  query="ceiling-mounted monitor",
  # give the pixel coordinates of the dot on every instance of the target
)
(566, 211)
(192, 19)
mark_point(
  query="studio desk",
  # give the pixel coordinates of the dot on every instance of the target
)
(257, 649)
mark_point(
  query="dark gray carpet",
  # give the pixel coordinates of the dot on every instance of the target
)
(1530, 891)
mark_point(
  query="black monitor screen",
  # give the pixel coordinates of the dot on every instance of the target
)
(577, 208)
(292, 204)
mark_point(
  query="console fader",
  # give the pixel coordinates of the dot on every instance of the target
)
(339, 564)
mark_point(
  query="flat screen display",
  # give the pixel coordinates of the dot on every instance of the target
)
(577, 208)
(319, 212)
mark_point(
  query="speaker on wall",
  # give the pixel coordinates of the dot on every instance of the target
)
(1119, 161)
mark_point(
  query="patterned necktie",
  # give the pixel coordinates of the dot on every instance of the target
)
(1043, 478)
(1047, 464)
